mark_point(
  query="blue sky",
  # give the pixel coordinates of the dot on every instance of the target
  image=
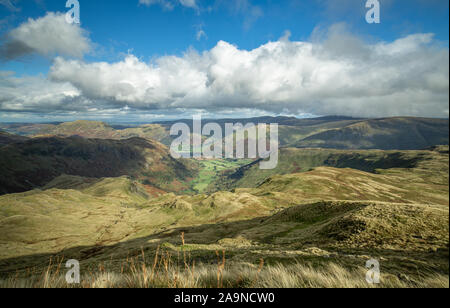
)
(153, 31)
(120, 25)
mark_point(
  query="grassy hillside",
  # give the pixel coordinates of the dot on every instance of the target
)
(292, 160)
(35, 162)
(327, 222)
(328, 241)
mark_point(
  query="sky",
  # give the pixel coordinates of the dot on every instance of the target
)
(147, 60)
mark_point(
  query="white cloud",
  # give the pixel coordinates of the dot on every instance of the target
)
(46, 36)
(9, 5)
(201, 34)
(170, 4)
(335, 75)
(250, 12)
(37, 94)
(189, 3)
(244, 8)
(340, 75)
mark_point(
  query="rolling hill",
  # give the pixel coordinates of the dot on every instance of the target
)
(384, 134)
(35, 162)
(91, 129)
(294, 160)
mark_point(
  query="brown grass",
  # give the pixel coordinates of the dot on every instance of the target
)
(165, 271)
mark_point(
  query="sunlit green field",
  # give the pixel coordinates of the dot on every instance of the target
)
(211, 169)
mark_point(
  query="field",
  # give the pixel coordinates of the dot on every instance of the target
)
(210, 171)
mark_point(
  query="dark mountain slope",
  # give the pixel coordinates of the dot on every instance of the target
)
(35, 162)
(6, 138)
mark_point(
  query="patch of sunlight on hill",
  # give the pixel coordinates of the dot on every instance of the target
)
(430, 163)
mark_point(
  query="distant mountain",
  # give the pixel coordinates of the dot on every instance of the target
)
(384, 134)
(91, 129)
(35, 162)
(289, 121)
(333, 132)
(87, 129)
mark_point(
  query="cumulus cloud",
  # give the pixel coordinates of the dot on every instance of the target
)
(38, 94)
(46, 36)
(335, 73)
(339, 75)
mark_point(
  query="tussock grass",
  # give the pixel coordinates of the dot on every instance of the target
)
(166, 272)
(178, 269)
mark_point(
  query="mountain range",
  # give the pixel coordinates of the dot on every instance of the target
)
(400, 133)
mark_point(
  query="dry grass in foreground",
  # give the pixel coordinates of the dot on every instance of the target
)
(168, 271)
